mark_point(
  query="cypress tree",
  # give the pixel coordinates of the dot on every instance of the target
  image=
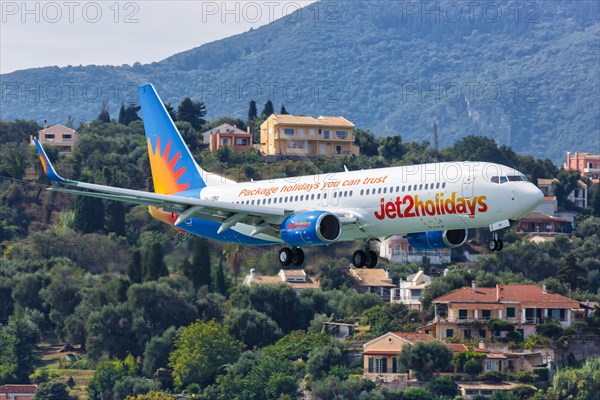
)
(251, 112)
(154, 264)
(283, 110)
(89, 214)
(201, 263)
(268, 110)
(219, 284)
(122, 114)
(134, 268)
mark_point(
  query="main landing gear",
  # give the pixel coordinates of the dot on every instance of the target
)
(294, 256)
(495, 244)
(365, 258)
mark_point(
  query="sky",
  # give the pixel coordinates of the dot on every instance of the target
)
(44, 33)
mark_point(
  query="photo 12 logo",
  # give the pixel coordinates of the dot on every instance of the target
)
(53, 12)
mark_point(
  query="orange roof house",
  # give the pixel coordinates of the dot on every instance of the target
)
(296, 278)
(463, 313)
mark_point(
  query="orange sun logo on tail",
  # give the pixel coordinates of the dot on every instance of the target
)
(163, 171)
(44, 165)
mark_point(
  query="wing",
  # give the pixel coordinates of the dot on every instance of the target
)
(228, 214)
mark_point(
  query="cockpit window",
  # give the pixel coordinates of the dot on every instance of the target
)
(510, 178)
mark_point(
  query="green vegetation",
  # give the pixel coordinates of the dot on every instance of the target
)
(147, 311)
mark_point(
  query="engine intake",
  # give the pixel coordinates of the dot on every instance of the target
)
(311, 228)
(437, 239)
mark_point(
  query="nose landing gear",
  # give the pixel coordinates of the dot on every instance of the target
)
(495, 244)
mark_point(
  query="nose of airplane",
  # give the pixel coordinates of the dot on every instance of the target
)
(529, 197)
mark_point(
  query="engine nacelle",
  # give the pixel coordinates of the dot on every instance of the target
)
(437, 239)
(311, 228)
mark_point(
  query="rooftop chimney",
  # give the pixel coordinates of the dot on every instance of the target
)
(482, 345)
(387, 274)
(473, 286)
(252, 273)
(544, 290)
(498, 292)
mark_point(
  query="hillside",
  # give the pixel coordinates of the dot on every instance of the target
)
(525, 74)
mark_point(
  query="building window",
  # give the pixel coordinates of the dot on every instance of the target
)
(486, 314)
(462, 314)
(289, 131)
(482, 333)
(341, 134)
(510, 312)
(449, 332)
(49, 135)
(241, 142)
(338, 149)
(326, 134)
(467, 334)
(67, 136)
(489, 365)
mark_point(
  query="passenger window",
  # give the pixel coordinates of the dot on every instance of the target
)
(296, 198)
(397, 189)
(312, 196)
(324, 195)
(334, 195)
(421, 186)
(351, 193)
(367, 191)
(443, 185)
(361, 191)
(437, 185)
(403, 187)
(318, 196)
(384, 190)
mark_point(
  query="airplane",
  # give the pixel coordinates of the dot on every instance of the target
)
(434, 205)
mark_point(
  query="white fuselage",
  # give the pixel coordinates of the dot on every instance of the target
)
(387, 201)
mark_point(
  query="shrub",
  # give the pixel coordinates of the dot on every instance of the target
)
(493, 376)
(542, 373)
(473, 367)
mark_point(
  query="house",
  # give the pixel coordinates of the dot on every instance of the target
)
(374, 280)
(578, 196)
(587, 164)
(296, 278)
(380, 355)
(463, 314)
(502, 361)
(473, 390)
(544, 224)
(227, 135)
(397, 250)
(59, 136)
(17, 392)
(410, 290)
(287, 135)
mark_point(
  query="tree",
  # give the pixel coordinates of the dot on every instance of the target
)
(106, 375)
(115, 217)
(63, 293)
(443, 387)
(334, 276)
(172, 112)
(425, 358)
(322, 359)
(192, 112)
(219, 284)
(391, 147)
(251, 112)
(201, 349)
(156, 353)
(283, 110)
(497, 326)
(52, 391)
(595, 199)
(268, 109)
(253, 328)
(134, 268)
(572, 272)
(104, 116)
(17, 344)
(567, 182)
(366, 142)
(89, 214)
(200, 272)
(578, 383)
(128, 114)
(153, 263)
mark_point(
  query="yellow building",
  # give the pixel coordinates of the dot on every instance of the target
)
(59, 136)
(296, 136)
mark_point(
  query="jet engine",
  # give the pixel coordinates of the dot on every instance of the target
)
(437, 239)
(311, 228)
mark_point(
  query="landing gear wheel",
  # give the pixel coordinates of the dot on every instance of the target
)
(371, 260)
(297, 257)
(500, 245)
(359, 259)
(493, 245)
(285, 256)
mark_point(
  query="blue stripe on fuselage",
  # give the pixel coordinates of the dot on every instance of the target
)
(208, 229)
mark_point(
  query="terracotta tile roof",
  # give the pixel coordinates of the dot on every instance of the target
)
(536, 216)
(526, 295)
(20, 389)
(371, 277)
(307, 120)
(414, 337)
(279, 279)
(546, 181)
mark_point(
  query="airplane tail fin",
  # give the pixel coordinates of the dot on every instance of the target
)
(174, 169)
(47, 165)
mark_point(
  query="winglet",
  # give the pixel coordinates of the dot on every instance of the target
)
(47, 165)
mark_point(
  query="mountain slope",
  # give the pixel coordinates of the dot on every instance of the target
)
(526, 74)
